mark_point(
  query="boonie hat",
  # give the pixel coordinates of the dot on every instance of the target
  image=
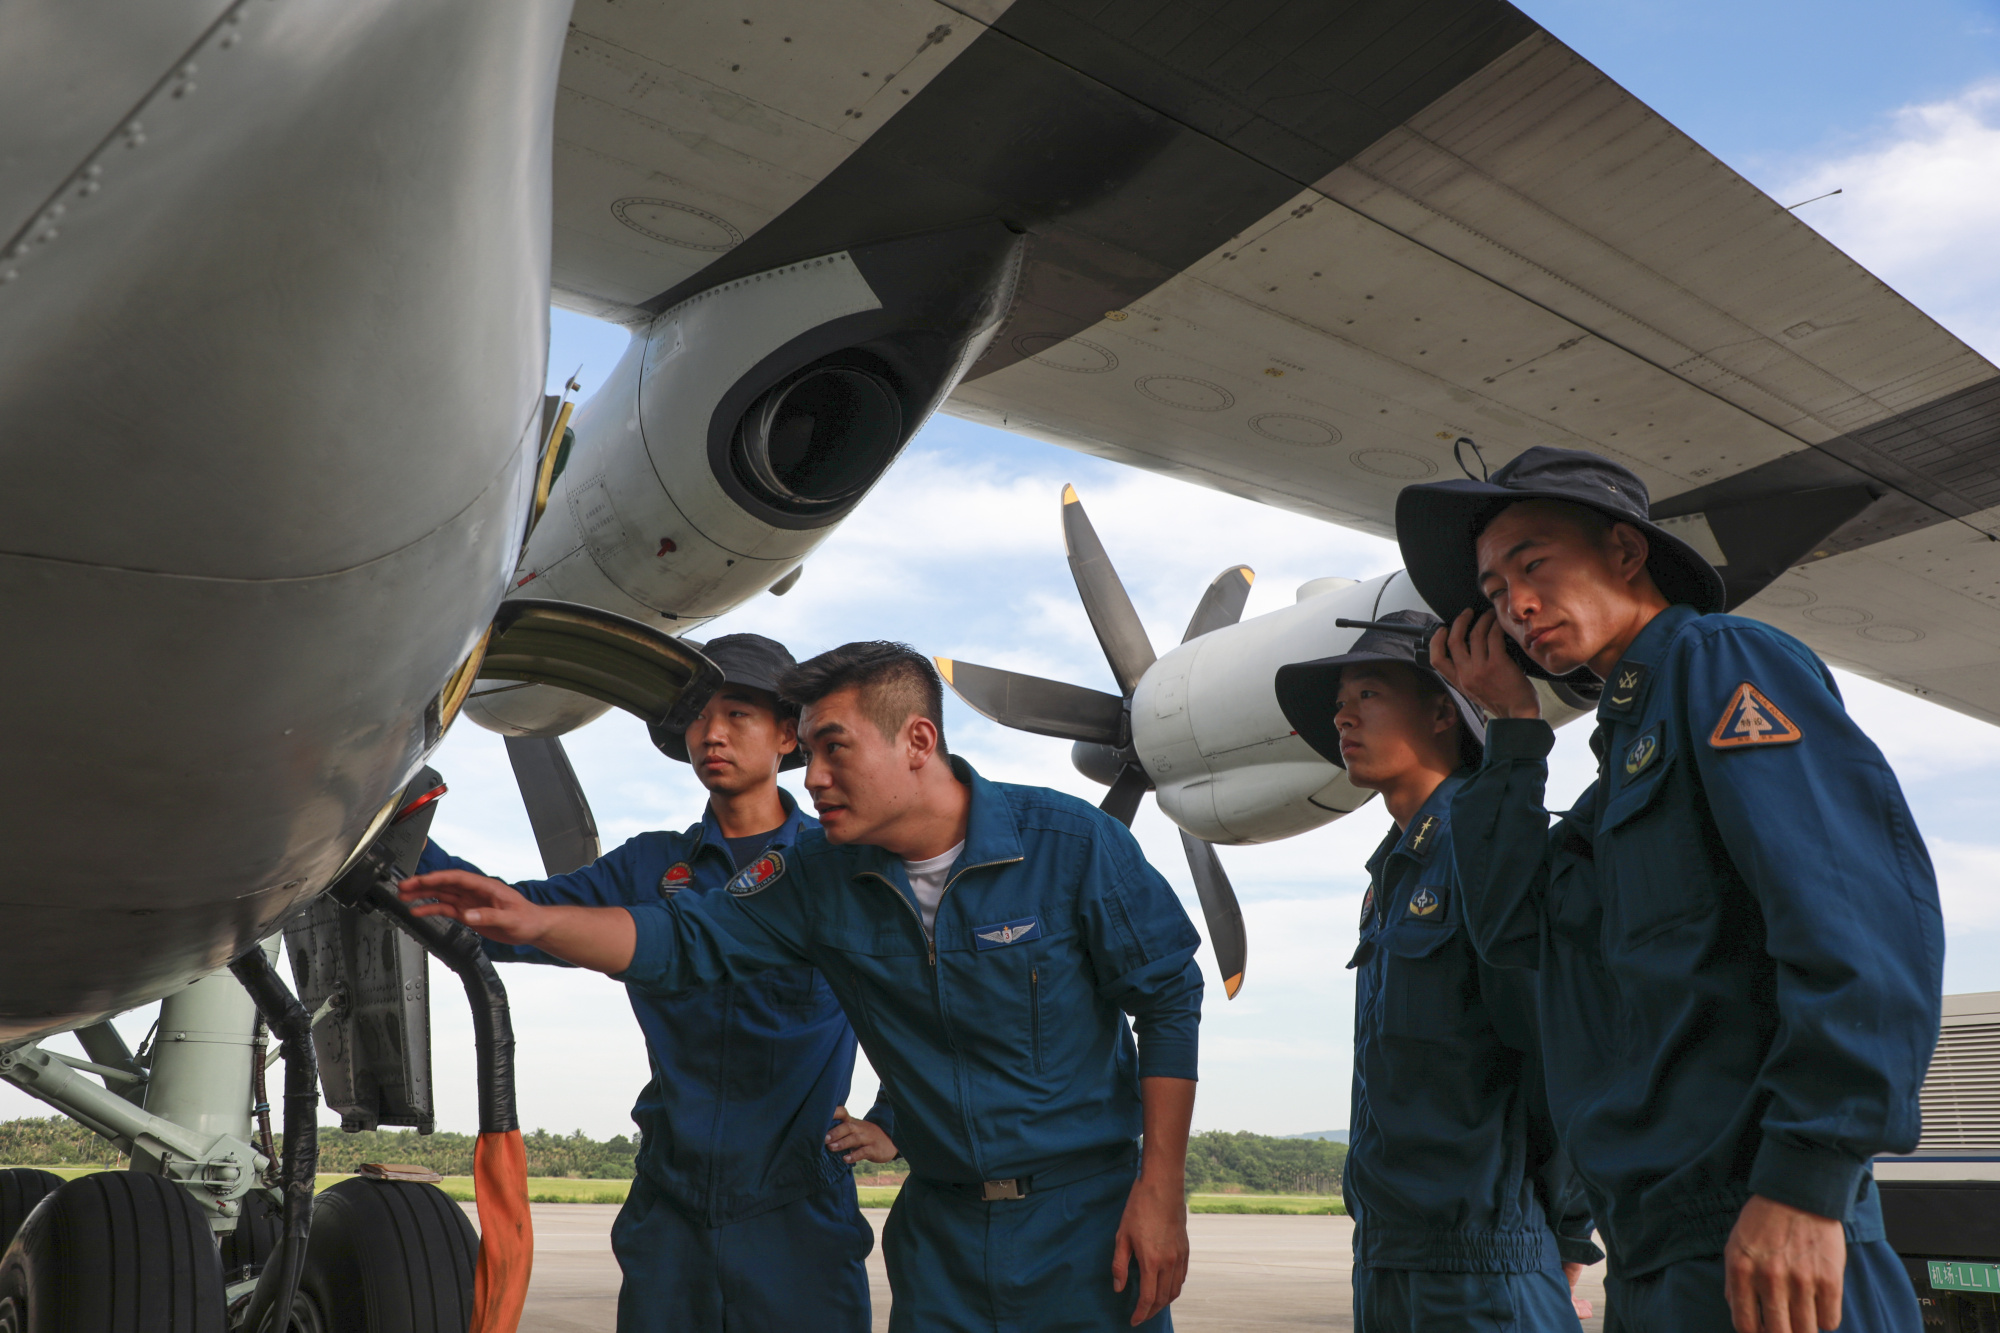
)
(749, 661)
(1438, 526)
(1306, 690)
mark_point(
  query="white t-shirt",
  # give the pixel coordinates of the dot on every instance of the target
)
(927, 882)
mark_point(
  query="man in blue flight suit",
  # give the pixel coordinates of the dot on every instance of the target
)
(987, 942)
(1467, 1219)
(1736, 927)
(743, 1213)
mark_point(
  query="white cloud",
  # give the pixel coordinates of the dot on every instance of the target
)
(1917, 206)
(1969, 886)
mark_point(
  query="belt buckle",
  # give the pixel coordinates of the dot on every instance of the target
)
(992, 1190)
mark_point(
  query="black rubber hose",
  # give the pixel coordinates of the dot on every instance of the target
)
(271, 1304)
(492, 1022)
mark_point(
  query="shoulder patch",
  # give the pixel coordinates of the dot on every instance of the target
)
(1751, 719)
(1367, 906)
(1425, 903)
(758, 876)
(1006, 932)
(679, 875)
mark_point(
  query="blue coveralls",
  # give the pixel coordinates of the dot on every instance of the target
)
(739, 1217)
(1464, 1208)
(1001, 1039)
(1740, 958)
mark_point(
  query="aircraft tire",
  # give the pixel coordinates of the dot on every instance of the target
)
(388, 1256)
(114, 1252)
(21, 1188)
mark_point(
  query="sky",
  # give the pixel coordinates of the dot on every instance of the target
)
(959, 552)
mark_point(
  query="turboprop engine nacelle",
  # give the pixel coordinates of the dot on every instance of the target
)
(1206, 725)
(743, 425)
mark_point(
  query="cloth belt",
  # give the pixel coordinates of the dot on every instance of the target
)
(1063, 1171)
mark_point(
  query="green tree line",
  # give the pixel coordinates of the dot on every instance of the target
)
(1217, 1160)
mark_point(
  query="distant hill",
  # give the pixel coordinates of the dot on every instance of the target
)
(1323, 1135)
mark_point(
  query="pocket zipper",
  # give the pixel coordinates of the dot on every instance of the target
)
(1035, 1013)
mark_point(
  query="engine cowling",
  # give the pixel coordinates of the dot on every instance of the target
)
(742, 425)
(1208, 730)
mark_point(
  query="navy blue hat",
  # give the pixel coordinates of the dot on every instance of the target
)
(1438, 526)
(749, 661)
(1307, 690)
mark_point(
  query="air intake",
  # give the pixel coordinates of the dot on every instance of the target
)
(821, 436)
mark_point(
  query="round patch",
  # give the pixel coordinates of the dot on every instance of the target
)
(679, 875)
(1424, 903)
(1367, 905)
(1643, 752)
(677, 224)
(759, 875)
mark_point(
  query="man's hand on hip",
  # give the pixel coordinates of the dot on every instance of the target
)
(1783, 1268)
(859, 1140)
(1153, 1239)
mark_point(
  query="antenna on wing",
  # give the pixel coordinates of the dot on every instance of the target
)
(1815, 199)
(1485, 474)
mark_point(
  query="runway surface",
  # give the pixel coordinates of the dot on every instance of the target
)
(1249, 1274)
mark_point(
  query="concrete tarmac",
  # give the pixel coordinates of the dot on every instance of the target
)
(1248, 1274)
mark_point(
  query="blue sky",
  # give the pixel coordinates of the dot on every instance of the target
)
(959, 551)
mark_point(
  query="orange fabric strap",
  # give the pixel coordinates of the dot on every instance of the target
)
(506, 1232)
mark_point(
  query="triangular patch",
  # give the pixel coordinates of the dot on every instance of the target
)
(1751, 719)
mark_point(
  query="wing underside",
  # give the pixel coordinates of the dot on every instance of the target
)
(1295, 251)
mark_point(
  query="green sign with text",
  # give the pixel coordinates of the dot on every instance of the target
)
(1949, 1276)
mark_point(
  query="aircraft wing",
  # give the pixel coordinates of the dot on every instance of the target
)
(1296, 250)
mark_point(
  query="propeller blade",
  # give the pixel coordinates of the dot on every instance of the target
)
(1030, 703)
(557, 810)
(1119, 632)
(1222, 604)
(1122, 801)
(1220, 910)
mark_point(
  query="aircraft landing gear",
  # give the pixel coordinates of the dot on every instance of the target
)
(387, 1257)
(21, 1188)
(116, 1252)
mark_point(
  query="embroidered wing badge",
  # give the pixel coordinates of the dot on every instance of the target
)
(679, 875)
(759, 875)
(1425, 903)
(1751, 719)
(1006, 932)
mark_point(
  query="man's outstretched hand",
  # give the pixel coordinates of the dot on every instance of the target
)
(599, 938)
(495, 909)
(1783, 1269)
(859, 1140)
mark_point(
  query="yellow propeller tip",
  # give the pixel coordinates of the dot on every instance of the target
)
(944, 668)
(1069, 494)
(1231, 985)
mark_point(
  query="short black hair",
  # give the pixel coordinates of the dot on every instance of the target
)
(896, 682)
